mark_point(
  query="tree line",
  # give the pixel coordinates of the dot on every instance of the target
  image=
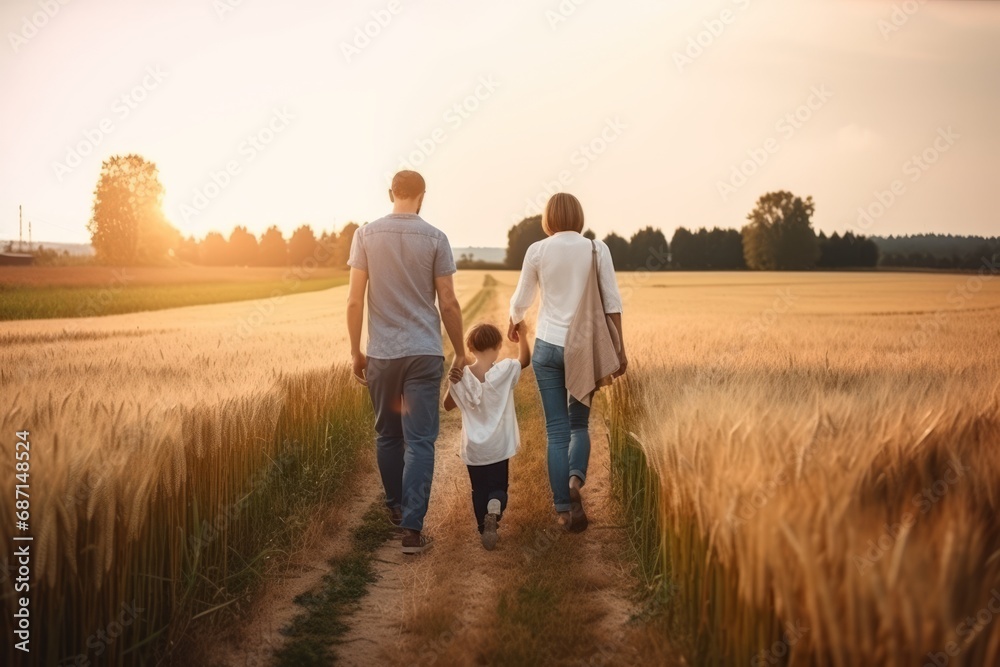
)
(938, 251)
(242, 248)
(778, 236)
(128, 227)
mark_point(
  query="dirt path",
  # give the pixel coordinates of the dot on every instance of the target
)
(542, 597)
(254, 642)
(453, 605)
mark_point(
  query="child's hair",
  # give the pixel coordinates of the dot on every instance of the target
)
(483, 337)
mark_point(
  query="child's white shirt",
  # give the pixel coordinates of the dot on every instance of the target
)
(489, 422)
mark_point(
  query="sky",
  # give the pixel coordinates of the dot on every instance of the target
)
(652, 112)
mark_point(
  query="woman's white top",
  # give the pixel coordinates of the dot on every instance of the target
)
(561, 265)
(489, 423)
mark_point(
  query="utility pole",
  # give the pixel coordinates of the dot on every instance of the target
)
(20, 226)
(29, 235)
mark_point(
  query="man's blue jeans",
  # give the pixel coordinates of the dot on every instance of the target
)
(566, 422)
(406, 396)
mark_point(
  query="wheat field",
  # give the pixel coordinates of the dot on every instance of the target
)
(174, 455)
(811, 463)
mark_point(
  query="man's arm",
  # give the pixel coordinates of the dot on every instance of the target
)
(355, 321)
(451, 315)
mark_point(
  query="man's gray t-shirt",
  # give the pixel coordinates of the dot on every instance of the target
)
(402, 254)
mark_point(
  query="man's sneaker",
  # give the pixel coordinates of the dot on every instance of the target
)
(579, 517)
(490, 536)
(415, 543)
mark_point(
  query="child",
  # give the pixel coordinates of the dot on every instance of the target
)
(484, 392)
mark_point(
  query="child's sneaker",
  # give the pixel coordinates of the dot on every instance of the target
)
(490, 536)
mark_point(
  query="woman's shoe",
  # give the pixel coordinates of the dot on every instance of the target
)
(579, 522)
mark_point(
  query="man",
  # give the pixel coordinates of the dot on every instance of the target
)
(404, 262)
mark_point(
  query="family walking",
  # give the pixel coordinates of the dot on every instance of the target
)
(404, 266)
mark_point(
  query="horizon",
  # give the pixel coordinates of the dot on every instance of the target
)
(859, 105)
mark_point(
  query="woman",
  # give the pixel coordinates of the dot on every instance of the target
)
(560, 265)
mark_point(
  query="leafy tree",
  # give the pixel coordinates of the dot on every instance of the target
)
(128, 224)
(648, 250)
(243, 248)
(780, 234)
(214, 250)
(619, 251)
(520, 237)
(303, 245)
(342, 248)
(273, 250)
(589, 234)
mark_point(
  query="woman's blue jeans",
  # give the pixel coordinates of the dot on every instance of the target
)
(566, 422)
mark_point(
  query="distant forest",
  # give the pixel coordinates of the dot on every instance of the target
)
(939, 251)
(128, 228)
(779, 236)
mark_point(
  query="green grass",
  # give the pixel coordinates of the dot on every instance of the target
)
(314, 632)
(27, 303)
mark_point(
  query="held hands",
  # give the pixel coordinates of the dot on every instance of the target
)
(514, 331)
(457, 369)
(359, 364)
